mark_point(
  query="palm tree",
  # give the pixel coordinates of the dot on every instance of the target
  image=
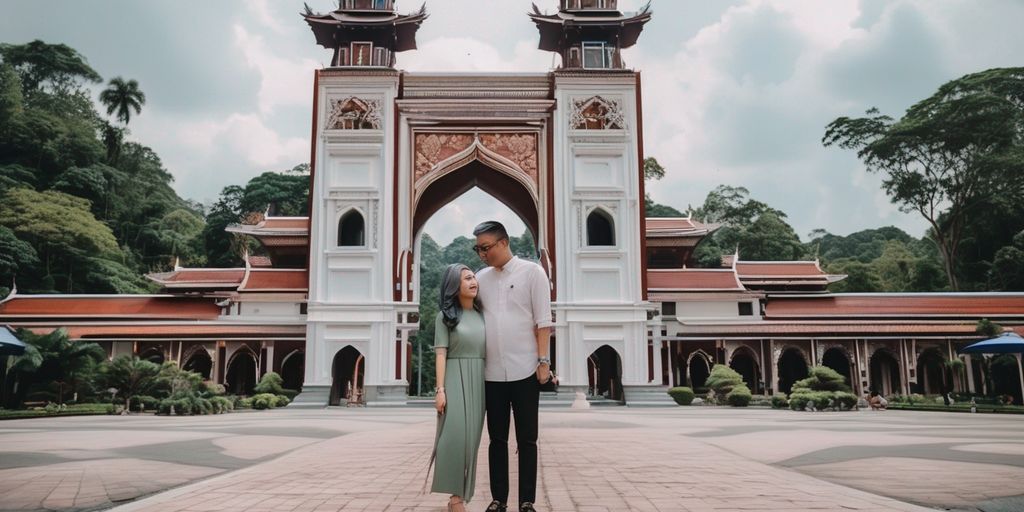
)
(53, 358)
(123, 97)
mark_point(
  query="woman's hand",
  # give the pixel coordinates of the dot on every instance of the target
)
(440, 401)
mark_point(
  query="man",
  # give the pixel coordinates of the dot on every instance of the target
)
(516, 299)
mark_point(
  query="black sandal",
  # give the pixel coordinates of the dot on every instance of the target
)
(497, 506)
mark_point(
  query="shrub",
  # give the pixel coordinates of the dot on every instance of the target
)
(682, 395)
(722, 379)
(739, 396)
(779, 401)
(243, 403)
(264, 401)
(144, 403)
(290, 393)
(221, 404)
(211, 389)
(271, 383)
(281, 401)
(845, 401)
(822, 378)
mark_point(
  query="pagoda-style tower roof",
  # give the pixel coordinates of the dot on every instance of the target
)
(579, 25)
(365, 32)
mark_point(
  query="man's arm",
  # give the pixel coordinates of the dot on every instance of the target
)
(541, 291)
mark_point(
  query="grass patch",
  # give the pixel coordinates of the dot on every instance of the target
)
(989, 409)
(71, 410)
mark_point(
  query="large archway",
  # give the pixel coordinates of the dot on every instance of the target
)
(1006, 377)
(604, 370)
(699, 369)
(744, 363)
(884, 370)
(931, 373)
(836, 359)
(153, 354)
(792, 367)
(241, 373)
(293, 368)
(199, 361)
(348, 371)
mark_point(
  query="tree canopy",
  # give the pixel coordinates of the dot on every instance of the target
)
(949, 153)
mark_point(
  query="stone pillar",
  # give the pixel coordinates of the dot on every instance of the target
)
(656, 350)
(969, 365)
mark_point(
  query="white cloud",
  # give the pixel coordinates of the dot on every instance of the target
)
(284, 80)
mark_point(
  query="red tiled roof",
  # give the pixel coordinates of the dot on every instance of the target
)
(670, 223)
(275, 280)
(897, 305)
(260, 261)
(285, 223)
(827, 329)
(692, 279)
(232, 275)
(181, 330)
(748, 269)
(97, 306)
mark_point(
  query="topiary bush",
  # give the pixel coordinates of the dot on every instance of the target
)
(739, 396)
(271, 383)
(779, 401)
(722, 380)
(845, 401)
(682, 395)
(264, 401)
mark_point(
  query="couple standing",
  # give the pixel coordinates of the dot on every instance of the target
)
(491, 343)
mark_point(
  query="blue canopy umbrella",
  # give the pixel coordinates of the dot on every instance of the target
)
(1006, 343)
(9, 344)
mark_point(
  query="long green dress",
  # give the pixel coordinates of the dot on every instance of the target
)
(460, 427)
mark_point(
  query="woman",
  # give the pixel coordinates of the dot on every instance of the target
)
(459, 343)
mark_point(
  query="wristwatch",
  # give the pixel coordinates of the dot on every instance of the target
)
(543, 360)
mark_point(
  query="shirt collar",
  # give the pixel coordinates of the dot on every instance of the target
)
(511, 265)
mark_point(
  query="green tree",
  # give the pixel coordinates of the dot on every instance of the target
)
(53, 360)
(1007, 269)
(722, 380)
(123, 97)
(39, 64)
(947, 154)
(860, 277)
(653, 171)
(283, 194)
(17, 257)
(130, 376)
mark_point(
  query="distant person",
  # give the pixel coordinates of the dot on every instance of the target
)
(516, 298)
(877, 402)
(459, 343)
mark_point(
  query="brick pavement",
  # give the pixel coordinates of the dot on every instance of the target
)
(582, 469)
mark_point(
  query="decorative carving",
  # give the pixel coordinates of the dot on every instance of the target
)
(520, 148)
(432, 148)
(597, 113)
(354, 113)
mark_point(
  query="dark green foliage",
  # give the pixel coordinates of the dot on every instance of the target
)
(54, 364)
(779, 401)
(757, 230)
(282, 194)
(40, 65)
(130, 376)
(682, 395)
(122, 97)
(821, 378)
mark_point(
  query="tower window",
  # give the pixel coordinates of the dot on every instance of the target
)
(351, 230)
(362, 54)
(600, 229)
(597, 55)
(668, 309)
(746, 309)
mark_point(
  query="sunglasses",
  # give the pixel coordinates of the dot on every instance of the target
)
(482, 249)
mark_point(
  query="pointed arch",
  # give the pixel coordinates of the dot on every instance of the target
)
(600, 227)
(352, 228)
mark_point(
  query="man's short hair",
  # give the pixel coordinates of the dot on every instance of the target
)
(491, 227)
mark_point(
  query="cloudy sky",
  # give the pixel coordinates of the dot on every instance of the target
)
(735, 92)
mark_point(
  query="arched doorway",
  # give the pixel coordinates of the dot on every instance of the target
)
(153, 354)
(699, 368)
(836, 359)
(1006, 377)
(792, 367)
(745, 364)
(885, 372)
(293, 369)
(241, 374)
(931, 373)
(348, 371)
(199, 361)
(604, 373)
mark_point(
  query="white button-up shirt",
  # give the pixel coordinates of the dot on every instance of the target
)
(516, 302)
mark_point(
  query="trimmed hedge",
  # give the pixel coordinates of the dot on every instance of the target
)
(739, 396)
(682, 395)
(67, 410)
(780, 401)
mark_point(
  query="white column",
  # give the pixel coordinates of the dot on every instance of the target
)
(656, 353)
(970, 372)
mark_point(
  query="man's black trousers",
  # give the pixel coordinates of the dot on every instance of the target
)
(521, 398)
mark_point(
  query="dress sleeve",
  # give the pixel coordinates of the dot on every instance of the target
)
(540, 290)
(440, 332)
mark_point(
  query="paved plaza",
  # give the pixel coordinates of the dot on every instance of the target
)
(602, 459)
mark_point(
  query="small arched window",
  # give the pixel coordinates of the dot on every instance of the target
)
(600, 228)
(351, 230)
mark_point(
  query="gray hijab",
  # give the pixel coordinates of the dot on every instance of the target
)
(450, 307)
